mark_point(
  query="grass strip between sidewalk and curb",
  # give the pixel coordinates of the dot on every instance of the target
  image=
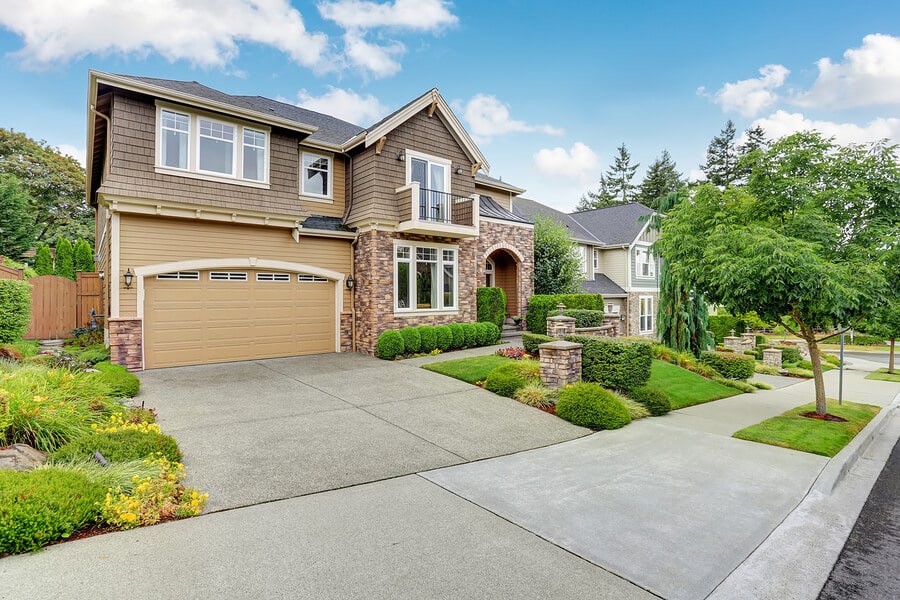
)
(826, 438)
(470, 370)
(685, 388)
(883, 375)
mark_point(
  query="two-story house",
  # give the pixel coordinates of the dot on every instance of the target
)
(238, 227)
(614, 244)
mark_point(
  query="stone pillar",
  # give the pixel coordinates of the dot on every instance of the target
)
(560, 363)
(748, 341)
(772, 357)
(733, 343)
(560, 326)
(126, 344)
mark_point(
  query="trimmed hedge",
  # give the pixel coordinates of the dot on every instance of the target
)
(411, 339)
(493, 333)
(789, 354)
(491, 305)
(585, 318)
(721, 326)
(471, 333)
(443, 337)
(481, 334)
(120, 446)
(459, 336)
(506, 380)
(541, 306)
(389, 345)
(531, 341)
(122, 383)
(730, 365)
(656, 401)
(614, 362)
(590, 405)
(428, 338)
(15, 310)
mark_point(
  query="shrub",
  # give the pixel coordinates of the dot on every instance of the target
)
(44, 505)
(427, 337)
(721, 326)
(513, 353)
(443, 335)
(412, 341)
(531, 341)
(831, 359)
(585, 318)
(664, 353)
(84, 256)
(43, 260)
(481, 334)
(15, 310)
(493, 333)
(85, 336)
(122, 383)
(535, 394)
(94, 355)
(471, 335)
(589, 405)
(859, 339)
(491, 305)
(613, 362)
(120, 445)
(389, 345)
(656, 401)
(635, 409)
(506, 379)
(459, 336)
(736, 384)
(730, 365)
(761, 340)
(790, 354)
(805, 364)
(541, 306)
(798, 372)
(766, 369)
(760, 385)
(65, 259)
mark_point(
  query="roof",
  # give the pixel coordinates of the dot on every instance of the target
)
(489, 208)
(331, 129)
(493, 182)
(529, 209)
(601, 284)
(321, 223)
(617, 225)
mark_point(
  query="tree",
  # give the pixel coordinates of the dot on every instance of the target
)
(661, 179)
(65, 259)
(886, 323)
(43, 260)
(84, 257)
(557, 267)
(721, 158)
(16, 228)
(748, 152)
(793, 243)
(602, 198)
(55, 183)
(619, 176)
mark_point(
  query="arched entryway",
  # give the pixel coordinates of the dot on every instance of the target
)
(502, 271)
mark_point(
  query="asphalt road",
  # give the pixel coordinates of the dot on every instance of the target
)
(878, 357)
(869, 565)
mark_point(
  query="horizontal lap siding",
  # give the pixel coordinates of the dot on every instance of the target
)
(615, 266)
(338, 184)
(500, 197)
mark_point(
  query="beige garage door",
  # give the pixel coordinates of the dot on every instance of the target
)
(198, 317)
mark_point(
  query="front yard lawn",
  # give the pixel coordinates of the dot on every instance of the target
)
(883, 375)
(685, 388)
(470, 370)
(827, 438)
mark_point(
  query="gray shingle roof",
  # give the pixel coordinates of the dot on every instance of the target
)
(601, 284)
(529, 209)
(324, 224)
(488, 207)
(615, 225)
(493, 181)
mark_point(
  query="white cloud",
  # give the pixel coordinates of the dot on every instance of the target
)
(749, 97)
(75, 152)
(869, 75)
(345, 104)
(580, 162)
(379, 60)
(203, 32)
(783, 123)
(487, 116)
(696, 175)
(419, 15)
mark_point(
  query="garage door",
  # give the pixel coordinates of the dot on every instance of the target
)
(198, 317)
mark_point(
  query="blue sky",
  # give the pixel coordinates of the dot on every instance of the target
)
(548, 90)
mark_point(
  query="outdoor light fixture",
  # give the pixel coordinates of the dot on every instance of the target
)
(401, 155)
(350, 282)
(459, 171)
(129, 278)
(101, 274)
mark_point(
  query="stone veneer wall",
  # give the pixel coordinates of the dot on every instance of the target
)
(518, 241)
(633, 318)
(126, 343)
(346, 332)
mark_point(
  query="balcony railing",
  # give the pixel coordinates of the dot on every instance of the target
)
(434, 211)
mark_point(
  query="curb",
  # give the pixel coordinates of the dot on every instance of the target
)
(839, 465)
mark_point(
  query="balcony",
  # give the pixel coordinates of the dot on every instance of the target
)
(432, 212)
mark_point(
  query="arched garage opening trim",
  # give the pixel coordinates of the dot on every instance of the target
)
(245, 263)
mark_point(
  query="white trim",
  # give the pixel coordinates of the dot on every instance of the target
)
(439, 261)
(428, 158)
(329, 195)
(651, 315)
(167, 208)
(114, 275)
(209, 176)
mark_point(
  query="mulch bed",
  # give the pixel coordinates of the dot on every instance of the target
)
(825, 417)
(548, 409)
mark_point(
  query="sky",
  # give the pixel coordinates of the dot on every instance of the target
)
(548, 90)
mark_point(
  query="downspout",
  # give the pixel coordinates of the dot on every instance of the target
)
(94, 110)
(347, 204)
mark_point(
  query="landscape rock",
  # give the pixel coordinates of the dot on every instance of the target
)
(21, 457)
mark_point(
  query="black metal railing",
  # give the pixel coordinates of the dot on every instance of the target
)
(440, 207)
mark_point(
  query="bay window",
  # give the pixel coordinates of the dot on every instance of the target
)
(424, 277)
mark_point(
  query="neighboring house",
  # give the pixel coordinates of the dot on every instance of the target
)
(238, 227)
(614, 246)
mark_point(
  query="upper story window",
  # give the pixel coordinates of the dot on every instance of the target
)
(212, 147)
(596, 260)
(645, 264)
(433, 176)
(315, 176)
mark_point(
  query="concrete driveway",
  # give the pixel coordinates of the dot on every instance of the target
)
(258, 431)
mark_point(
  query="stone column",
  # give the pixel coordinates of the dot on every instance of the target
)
(748, 341)
(560, 326)
(560, 363)
(733, 342)
(772, 357)
(126, 343)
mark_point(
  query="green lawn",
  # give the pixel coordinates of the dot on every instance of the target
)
(790, 430)
(883, 375)
(685, 388)
(470, 370)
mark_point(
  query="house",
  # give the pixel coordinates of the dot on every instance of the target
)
(238, 227)
(614, 246)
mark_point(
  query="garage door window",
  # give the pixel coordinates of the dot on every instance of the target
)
(227, 276)
(273, 277)
(180, 275)
(304, 278)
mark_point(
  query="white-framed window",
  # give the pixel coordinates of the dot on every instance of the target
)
(209, 147)
(315, 175)
(273, 277)
(305, 278)
(646, 325)
(489, 273)
(180, 276)
(432, 173)
(645, 265)
(227, 276)
(424, 277)
(596, 260)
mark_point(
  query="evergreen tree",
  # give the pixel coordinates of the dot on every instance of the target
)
(16, 226)
(756, 140)
(43, 261)
(721, 158)
(619, 176)
(84, 257)
(662, 178)
(65, 259)
(602, 198)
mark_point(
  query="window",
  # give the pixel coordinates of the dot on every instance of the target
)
(425, 278)
(315, 176)
(596, 260)
(180, 275)
(227, 276)
(489, 273)
(433, 176)
(646, 325)
(304, 278)
(646, 266)
(211, 147)
(273, 277)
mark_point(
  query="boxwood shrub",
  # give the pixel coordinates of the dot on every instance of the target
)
(585, 318)
(614, 362)
(656, 401)
(505, 380)
(493, 333)
(531, 341)
(15, 310)
(411, 339)
(590, 405)
(120, 446)
(123, 383)
(427, 337)
(541, 306)
(790, 354)
(491, 305)
(459, 336)
(389, 345)
(471, 335)
(482, 332)
(443, 335)
(730, 365)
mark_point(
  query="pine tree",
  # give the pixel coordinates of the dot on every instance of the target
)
(619, 176)
(662, 178)
(65, 259)
(43, 261)
(84, 257)
(602, 198)
(756, 140)
(16, 227)
(721, 158)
